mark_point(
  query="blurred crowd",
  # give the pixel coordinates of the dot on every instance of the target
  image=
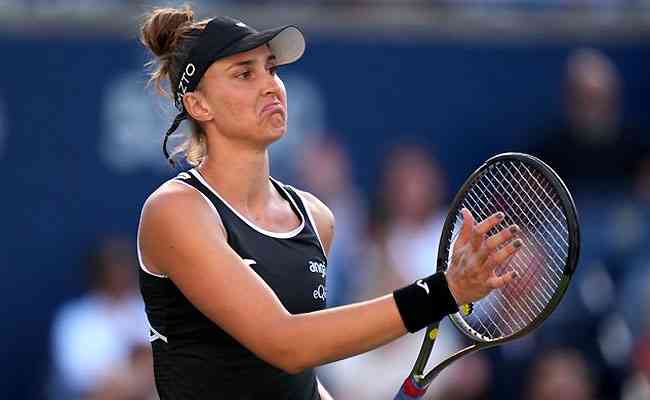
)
(100, 349)
(595, 346)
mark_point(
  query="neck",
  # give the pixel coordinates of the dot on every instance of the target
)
(238, 171)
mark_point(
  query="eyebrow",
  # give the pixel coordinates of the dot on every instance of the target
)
(250, 62)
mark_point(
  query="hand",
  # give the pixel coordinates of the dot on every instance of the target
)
(471, 275)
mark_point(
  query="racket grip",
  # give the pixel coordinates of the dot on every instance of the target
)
(410, 390)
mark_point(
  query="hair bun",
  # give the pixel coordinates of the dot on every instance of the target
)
(160, 30)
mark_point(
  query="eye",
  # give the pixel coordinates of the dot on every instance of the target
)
(244, 75)
(273, 69)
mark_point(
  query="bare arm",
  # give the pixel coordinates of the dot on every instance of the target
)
(192, 249)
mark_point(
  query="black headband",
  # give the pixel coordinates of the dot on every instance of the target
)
(223, 37)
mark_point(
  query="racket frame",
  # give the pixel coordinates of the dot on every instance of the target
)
(479, 342)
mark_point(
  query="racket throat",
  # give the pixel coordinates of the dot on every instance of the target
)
(431, 375)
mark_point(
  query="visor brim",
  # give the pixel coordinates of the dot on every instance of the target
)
(287, 43)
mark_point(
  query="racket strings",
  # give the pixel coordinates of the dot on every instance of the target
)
(546, 245)
(529, 200)
(516, 310)
(523, 306)
(532, 224)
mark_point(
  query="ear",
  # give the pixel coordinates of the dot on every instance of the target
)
(197, 106)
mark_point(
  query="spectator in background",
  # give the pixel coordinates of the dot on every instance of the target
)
(412, 209)
(95, 336)
(560, 374)
(131, 380)
(592, 146)
(324, 170)
(599, 155)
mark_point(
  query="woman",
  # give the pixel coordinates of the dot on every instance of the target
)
(233, 263)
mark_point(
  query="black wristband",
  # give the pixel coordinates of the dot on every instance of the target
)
(424, 302)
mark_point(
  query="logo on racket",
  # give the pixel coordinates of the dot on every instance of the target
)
(423, 285)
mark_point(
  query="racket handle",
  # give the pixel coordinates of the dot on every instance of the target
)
(410, 390)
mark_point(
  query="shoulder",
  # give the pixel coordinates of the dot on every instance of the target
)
(171, 197)
(323, 217)
(176, 205)
(316, 206)
(175, 194)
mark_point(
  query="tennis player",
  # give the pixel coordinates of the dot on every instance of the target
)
(233, 262)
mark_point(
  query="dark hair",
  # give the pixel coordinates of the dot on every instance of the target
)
(170, 33)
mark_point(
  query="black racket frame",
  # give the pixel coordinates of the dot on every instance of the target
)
(568, 206)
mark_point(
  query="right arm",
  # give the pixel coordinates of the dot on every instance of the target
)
(192, 250)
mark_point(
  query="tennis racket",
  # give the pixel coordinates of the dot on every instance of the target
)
(534, 197)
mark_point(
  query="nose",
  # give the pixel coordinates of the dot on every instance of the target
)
(272, 86)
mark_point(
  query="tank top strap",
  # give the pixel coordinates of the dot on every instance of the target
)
(304, 208)
(190, 178)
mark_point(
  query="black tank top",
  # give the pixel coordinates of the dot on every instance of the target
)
(193, 357)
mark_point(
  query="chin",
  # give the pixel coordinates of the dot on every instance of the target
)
(273, 134)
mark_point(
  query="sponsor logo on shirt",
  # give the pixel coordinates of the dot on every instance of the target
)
(320, 292)
(317, 267)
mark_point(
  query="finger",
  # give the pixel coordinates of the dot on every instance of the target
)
(501, 237)
(477, 239)
(466, 229)
(497, 282)
(490, 222)
(500, 256)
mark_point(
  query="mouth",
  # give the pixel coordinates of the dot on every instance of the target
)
(272, 108)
